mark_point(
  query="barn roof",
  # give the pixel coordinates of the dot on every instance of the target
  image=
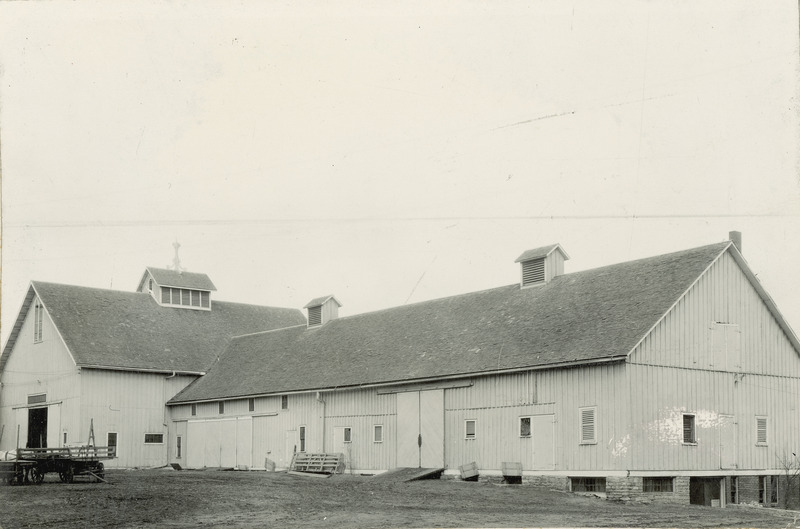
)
(591, 316)
(130, 330)
(173, 278)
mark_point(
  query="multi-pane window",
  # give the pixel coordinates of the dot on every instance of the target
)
(377, 433)
(524, 426)
(588, 425)
(284, 402)
(251, 404)
(763, 481)
(153, 438)
(659, 484)
(185, 297)
(111, 443)
(38, 314)
(761, 430)
(302, 438)
(588, 484)
(469, 429)
(347, 434)
(689, 433)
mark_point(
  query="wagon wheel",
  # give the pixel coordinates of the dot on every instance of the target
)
(37, 476)
(67, 474)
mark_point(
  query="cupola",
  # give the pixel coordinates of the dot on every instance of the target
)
(181, 289)
(322, 310)
(540, 265)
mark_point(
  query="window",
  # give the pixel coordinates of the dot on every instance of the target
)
(588, 484)
(657, 484)
(111, 443)
(65, 439)
(165, 294)
(302, 438)
(761, 430)
(761, 489)
(178, 447)
(348, 435)
(734, 490)
(773, 489)
(195, 298)
(194, 409)
(204, 299)
(469, 429)
(38, 312)
(150, 286)
(587, 425)
(524, 426)
(533, 271)
(377, 433)
(221, 407)
(153, 438)
(37, 399)
(284, 402)
(251, 404)
(689, 436)
(315, 315)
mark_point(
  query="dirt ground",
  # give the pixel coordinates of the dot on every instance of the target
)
(168, 498)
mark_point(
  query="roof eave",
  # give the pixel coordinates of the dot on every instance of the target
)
(100, 367)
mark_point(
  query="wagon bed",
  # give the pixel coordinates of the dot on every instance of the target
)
(68, 462)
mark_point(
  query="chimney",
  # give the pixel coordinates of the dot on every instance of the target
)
(736, 239)
(322, 310)
(540, 265)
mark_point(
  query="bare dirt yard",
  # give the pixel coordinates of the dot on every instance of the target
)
(167, 498)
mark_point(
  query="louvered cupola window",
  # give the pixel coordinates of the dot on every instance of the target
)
(761, 430)
(533, 272)
(315, 315)
(587, 425)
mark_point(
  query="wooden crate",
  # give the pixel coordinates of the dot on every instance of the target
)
(512, 469)
(469, 471)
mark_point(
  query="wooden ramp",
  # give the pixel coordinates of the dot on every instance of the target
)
(317, 463)
(404, 474)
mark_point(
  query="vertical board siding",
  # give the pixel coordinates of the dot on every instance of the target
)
(684, 337)
(678, 368)
(35, 368)
(130, 404)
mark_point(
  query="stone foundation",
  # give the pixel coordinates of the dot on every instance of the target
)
(630, 489)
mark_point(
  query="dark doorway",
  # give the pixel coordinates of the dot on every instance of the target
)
(37, 428)
(703, 491)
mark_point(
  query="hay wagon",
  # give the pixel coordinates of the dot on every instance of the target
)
(68, 462)
(12, 470)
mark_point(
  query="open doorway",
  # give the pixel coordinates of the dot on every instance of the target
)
(37, 428)
(705, 491)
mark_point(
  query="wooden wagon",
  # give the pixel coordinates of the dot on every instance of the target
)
(68, 462)
(15, 472)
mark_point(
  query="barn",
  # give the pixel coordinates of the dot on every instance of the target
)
(82, 357)
(673, 378)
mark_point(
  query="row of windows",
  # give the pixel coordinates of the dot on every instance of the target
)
(656, 484)
(186, 297)
(251, 405)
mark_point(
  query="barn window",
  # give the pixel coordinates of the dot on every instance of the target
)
(178, 447)
(588, 484)
(150, 286)
(302, 438)
(761, 430)
(195, 298)
(657, 484)
(347, 434)
(204, 299)
(221, 407)
(773, 489)
(533, 272)
(377, 433)
(165, 294)
(38, 313)
(588, 425)
(469, 429)
(734, 490)
(251, 404)
(194, 409)
(689, 434)
(37, 399)
(524, 426)
(284, 402)
(315, 315)
(65, 439)
(154, 438)
(111, 443)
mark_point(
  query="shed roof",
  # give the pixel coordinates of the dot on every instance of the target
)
(130, 330)
(173, 278)
(542, 251)
(583, 317)
(320, 301)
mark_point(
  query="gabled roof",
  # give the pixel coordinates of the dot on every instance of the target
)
(543, 251)
(172, 278)
(130, 330)
(592, 316)
(321, 301)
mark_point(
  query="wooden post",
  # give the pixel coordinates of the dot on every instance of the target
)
(18, 438)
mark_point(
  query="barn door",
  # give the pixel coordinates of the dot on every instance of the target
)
(420, 429)
(543, 434)
(727, 442)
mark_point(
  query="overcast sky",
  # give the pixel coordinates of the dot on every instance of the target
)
(392, 152)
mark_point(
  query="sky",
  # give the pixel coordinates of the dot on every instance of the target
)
(390, 153)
